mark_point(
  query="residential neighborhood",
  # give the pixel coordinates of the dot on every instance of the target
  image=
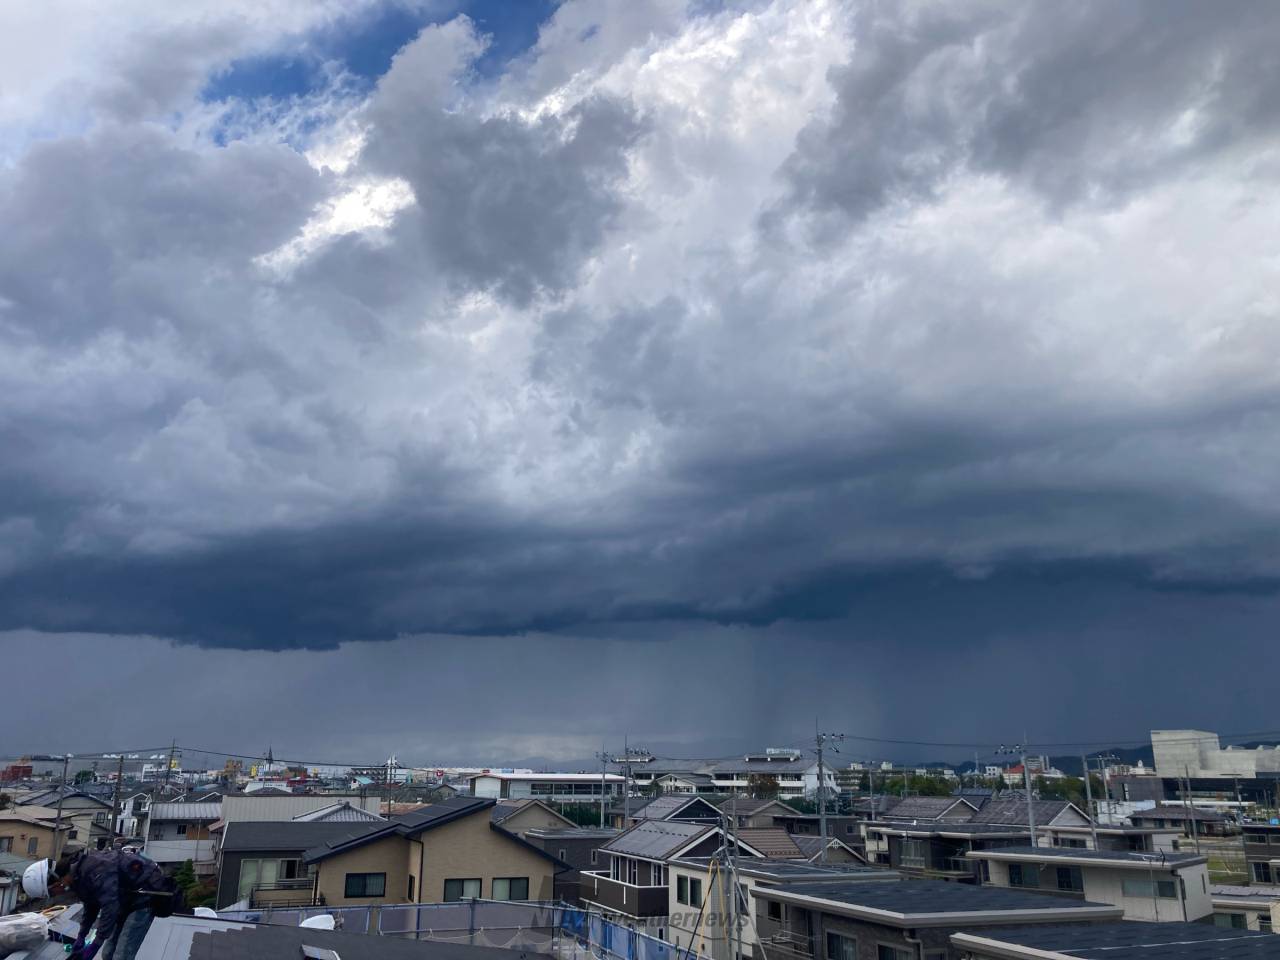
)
(934, 864)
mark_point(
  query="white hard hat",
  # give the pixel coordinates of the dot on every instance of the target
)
(35, 880)
(322, 922)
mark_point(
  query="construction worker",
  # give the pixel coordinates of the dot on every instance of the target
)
(122, 893)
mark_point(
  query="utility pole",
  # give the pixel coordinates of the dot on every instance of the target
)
(1191, 810)
(820, 740)
(605, 760)
(1088, 793)
(57, 823)
(115, 801)
(1019, 749)
(169, 766)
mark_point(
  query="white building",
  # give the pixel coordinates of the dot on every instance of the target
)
(1159, 886)
(1198, 753)
(558, 787)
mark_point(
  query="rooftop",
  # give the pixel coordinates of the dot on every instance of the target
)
(185, 811)
(656, 839)
(795, 871)
(773, 842)
(924, 903)
(250, 835)
(180, 938)
(552, 777)
(1147, 861)
(1126, 941)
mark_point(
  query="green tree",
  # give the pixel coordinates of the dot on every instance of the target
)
(82, 777)
(185, 877)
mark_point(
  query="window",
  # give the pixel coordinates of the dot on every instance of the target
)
(775, 910)
(1233, 921)
(511, 888)
(182, 829)
(657, 875)
(633, 871)
(461, 890)
(1166, 889)
(1261, 872)
(100, 817)
(1254, 836)
(886, 952)
(1264, 923)
(32, 845)
(841, 948)
(682, 891)
(1069, 878)
(563, 855)
(848, 828)
(914, 852)
(1024, 875)
(695, 892)
(6, 844)
(365, 885)
(409, 893)
(593, 856)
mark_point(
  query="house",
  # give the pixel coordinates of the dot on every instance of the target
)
(579, 847)
(1048, 813)
(1255, 907)
(756, 813)
(444, 852)
(685, 809)
(1146, 886)
(698, 911)
(898, 921)
(1262, 852)
(1115, 941)
(560, 787)
(260, 862)
(1108, 837)
(198, 938)
(520, 816)
(1190, 820)
(848, 828)
(29, 832)
(179, 831)
(344, 811)
(837, 850)
(632, 885)
(278, 806)
(937, 850)
(773, 842)
(89, 816)
(686, 783)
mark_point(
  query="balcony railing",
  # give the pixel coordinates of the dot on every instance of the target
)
(629, 898)
(285, 893)
(790, 943)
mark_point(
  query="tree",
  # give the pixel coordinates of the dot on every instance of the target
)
(185, 877)
(763, 786)
(82, 777)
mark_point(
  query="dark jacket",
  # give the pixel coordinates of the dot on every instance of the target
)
(112, 884)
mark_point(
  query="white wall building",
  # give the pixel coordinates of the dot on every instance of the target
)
(1198, 753)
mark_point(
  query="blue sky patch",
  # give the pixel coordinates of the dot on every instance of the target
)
(366, 45)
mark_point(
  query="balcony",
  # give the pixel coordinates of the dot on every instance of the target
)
(285, 893)
(622, 897)
(789, 943)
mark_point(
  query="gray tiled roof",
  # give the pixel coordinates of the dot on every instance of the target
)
(928, 808)
(289, 835)
(655, 839)
(672, 806)
(1136, 941)
(1015, 811)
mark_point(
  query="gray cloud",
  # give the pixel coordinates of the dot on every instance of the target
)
(1088, 102)
(581, 377)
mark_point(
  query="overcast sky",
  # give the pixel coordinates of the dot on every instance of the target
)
(483, 380)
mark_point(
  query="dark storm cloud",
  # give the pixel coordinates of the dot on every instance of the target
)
(504, 203)
(567, 385)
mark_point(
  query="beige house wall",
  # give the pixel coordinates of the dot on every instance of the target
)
(21, 832)
(470, 848)
(465, 849)
(389, 855)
